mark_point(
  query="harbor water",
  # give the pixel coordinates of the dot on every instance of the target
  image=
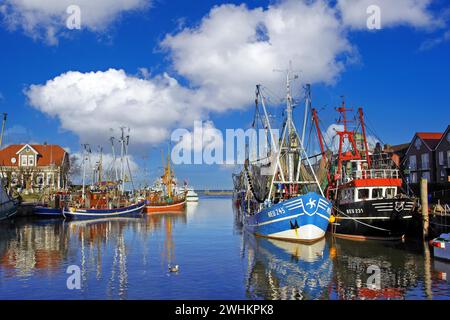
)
(129, 258)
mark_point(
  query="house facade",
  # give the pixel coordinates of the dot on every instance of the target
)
(420, 157)
(443, 158)
(34, 167)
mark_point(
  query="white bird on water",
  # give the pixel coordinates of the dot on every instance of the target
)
(174, 268)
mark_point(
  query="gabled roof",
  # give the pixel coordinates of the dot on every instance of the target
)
(444, 135)
(431, 139)
(27, 145)
(47, 154)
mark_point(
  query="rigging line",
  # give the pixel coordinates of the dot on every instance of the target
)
(356, 220)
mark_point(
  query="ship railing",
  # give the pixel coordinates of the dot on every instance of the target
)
(376, 174)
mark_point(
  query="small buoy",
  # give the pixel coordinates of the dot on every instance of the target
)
(332, 218)
(174, 268)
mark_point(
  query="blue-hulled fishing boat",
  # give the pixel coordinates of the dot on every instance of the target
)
(105, 199)
(52, 204)
(303, 218)
(125, 211)
(283, 198)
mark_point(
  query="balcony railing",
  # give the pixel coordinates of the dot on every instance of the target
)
(375, 174)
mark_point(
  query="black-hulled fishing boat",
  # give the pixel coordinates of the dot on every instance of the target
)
(366, 187)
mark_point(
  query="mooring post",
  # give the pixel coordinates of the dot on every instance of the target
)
(424, 201)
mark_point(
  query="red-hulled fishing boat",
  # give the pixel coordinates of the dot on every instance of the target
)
(165, 196)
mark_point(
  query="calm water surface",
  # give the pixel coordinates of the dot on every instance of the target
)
(128, 258)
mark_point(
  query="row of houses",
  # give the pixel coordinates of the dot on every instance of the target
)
(427, 156)
(33, 167)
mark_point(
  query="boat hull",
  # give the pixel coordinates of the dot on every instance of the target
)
(8, 209)
(385, 219)
(173, 207)
(48, 212)
(133, 210)
(301, 219)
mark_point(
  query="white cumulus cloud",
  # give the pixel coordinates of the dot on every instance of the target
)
(47, 19)
(414, 13)
(234, 47)
(221, 59)
(90, 104)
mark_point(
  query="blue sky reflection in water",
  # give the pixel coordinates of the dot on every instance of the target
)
(129, 258)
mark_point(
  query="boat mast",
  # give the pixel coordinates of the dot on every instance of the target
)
(291, 144)
(114, 167)
(122, 155)
(343, 135)
(86, 150)
(3, 128)
(289, 106)
(100, 166)
(307, 107)
(363, 127)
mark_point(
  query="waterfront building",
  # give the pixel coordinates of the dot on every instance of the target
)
(33, 167)
(420, 157)
(443, 158)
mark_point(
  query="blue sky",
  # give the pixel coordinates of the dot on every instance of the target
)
(403, 87)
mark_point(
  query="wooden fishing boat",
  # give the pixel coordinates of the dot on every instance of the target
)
(165, 196)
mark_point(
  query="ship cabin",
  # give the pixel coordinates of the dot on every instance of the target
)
(359, 183)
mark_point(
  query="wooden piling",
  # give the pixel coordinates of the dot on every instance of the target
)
(424, 202)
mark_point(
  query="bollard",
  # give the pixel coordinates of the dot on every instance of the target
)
(424, 201)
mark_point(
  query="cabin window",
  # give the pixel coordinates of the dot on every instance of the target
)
(390, 193)
(23, 160)
(412, 162)
(413, 177)
(426, 175)
(377, 193)
(425, 161)
(363, 194)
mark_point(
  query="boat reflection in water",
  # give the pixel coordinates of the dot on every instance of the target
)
(108, 252)
(287, 270)
(355, 264)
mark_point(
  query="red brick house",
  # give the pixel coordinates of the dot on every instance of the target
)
(33, 167)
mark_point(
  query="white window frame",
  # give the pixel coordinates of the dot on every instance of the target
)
(412, 163)
(425, 158)
(24, 160)
(49, 179)
(31, 163)
(448, 158)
